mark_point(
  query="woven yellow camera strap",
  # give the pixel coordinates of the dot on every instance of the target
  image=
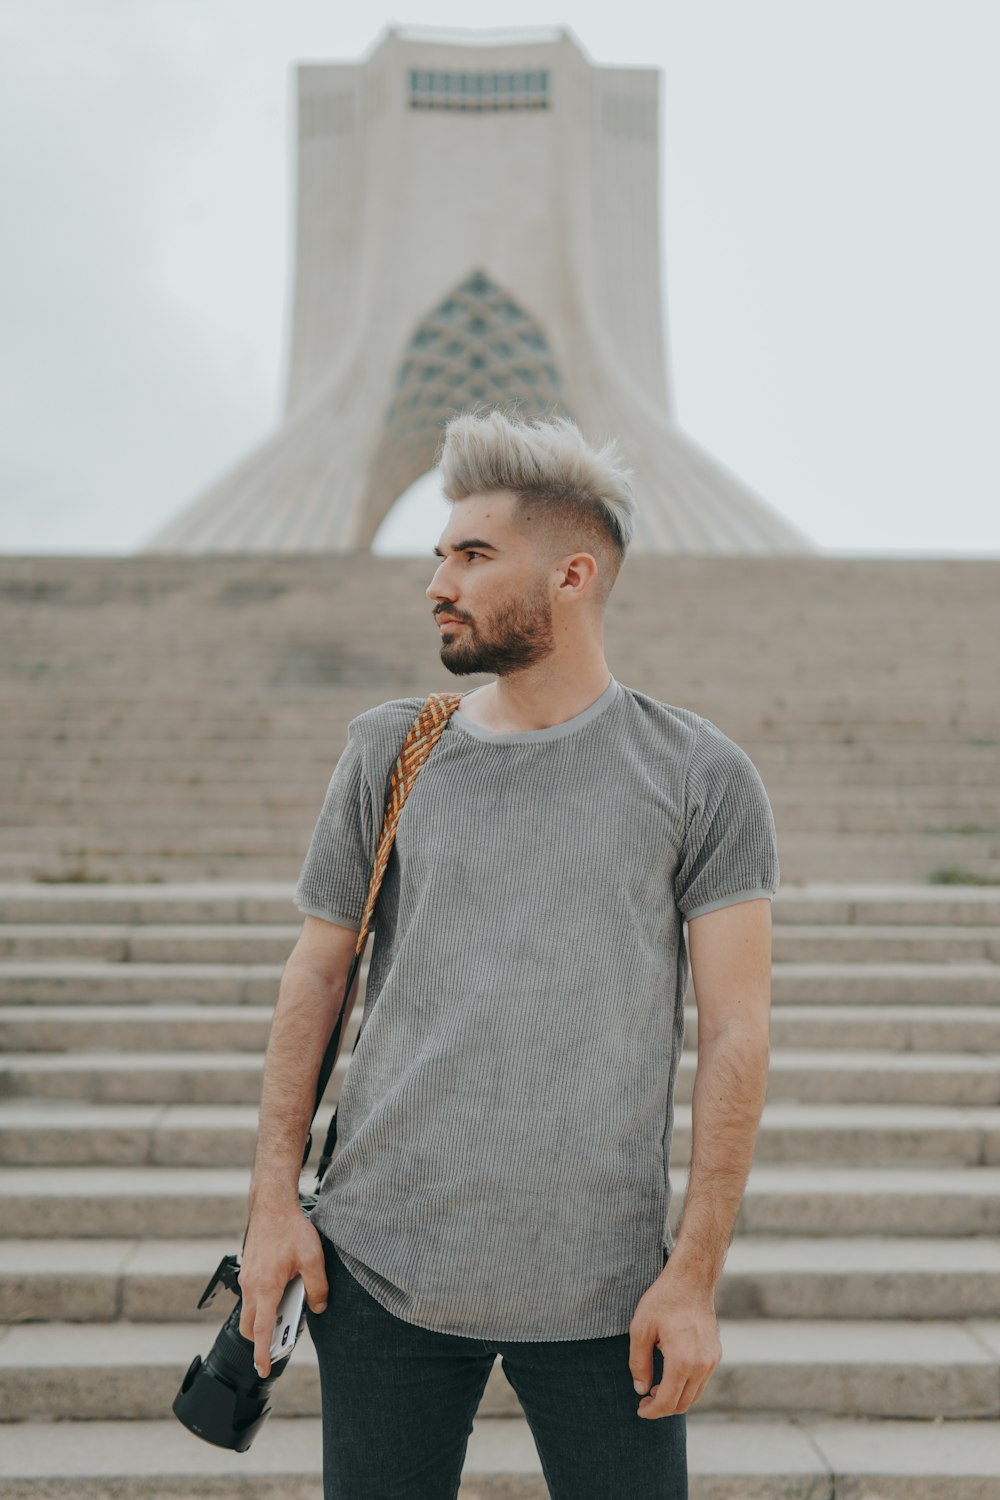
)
(425, 731)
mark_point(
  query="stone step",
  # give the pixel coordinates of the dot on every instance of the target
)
(728, 1459)
(799, 813)
(310, 736)
(162, 942)
(853, 943)
(902, 1028)
(219, 674)
(127, 1202)
(304, 730)
(245, 942)
(214, 669)
(915, 858)
(847, 1077)
(177, 821)
(212, 836)
(827, 857)
(60, 1371)
(167, 1028)
(113, 1077)
(298, 791)
(838, 605)
(96, 981)
(207, 902)
(217, 902)
(89, 854)
(197, 822)
(113, 719)
(83, 867)
(83, 981)
(164, 1202)
(221, 1077)
(289, 767)
(931, 623)
(820, 1200)
(54, 1132)
(887, 905)
(142, 1027)
(208, 837)
(859, 1277)
(103, 1280)
(135, 597)
(891, 983)
(219, 664)
(217, 699)
(211, 702)
(207, 711)
(949, 775)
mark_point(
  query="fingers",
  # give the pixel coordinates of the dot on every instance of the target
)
(640, 1359)
(313, 1272)
(263, 1328)
(664, 1400)
(678, 1389)
(276, 1248)
(257, 1324)
(247, 1313)
(685, 1330)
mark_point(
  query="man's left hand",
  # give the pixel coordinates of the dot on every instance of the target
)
(680, 1321)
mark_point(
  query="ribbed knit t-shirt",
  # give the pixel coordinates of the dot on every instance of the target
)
(505, 1120)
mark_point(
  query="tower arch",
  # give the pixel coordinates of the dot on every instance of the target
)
(478, 346)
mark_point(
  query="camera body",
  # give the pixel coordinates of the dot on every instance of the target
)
(222, 1399)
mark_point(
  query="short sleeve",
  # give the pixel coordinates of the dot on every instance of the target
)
(730, 849)
(333, 883)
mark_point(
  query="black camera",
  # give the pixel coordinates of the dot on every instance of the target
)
(222, 1398)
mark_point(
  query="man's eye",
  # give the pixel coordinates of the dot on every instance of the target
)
(475, 554)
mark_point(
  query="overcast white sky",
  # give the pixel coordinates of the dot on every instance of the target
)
(832, 239)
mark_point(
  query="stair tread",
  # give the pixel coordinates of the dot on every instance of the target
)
(83, 1181)
(786, 1255)
(767, 1341)
(834, 933)
(827, 1059)
(778, 1114)
(926, 1451)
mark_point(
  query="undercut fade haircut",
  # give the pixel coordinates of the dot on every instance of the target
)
(580, 492)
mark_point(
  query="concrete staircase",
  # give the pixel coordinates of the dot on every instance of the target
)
(864, 1281)
(177, 718)
(146, 912)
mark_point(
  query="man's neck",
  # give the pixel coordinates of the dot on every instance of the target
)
(537, 698)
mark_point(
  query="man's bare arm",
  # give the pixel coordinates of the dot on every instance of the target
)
(730, 953)
(280, 1241)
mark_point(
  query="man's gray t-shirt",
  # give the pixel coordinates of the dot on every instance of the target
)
(505, 1121)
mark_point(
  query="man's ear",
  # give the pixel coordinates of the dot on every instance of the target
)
(576, 575)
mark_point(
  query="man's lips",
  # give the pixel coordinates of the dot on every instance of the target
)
(447, 620)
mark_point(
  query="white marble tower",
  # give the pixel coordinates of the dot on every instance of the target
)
(477, 222)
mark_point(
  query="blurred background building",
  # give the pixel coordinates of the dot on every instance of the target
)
(476, 225)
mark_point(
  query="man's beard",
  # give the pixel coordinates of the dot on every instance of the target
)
(517, 636)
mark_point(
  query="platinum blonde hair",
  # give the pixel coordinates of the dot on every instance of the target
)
(545, 461)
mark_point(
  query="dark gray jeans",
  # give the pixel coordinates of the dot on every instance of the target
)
(398, 1404)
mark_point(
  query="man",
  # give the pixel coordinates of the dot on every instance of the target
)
(501, 1182)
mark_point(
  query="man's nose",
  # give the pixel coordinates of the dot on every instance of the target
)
(439, 587)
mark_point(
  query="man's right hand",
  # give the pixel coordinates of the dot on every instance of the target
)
(280, 1244)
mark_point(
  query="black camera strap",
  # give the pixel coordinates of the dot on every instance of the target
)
(424, 733)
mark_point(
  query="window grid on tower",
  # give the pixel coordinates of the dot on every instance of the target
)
(479, 92)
